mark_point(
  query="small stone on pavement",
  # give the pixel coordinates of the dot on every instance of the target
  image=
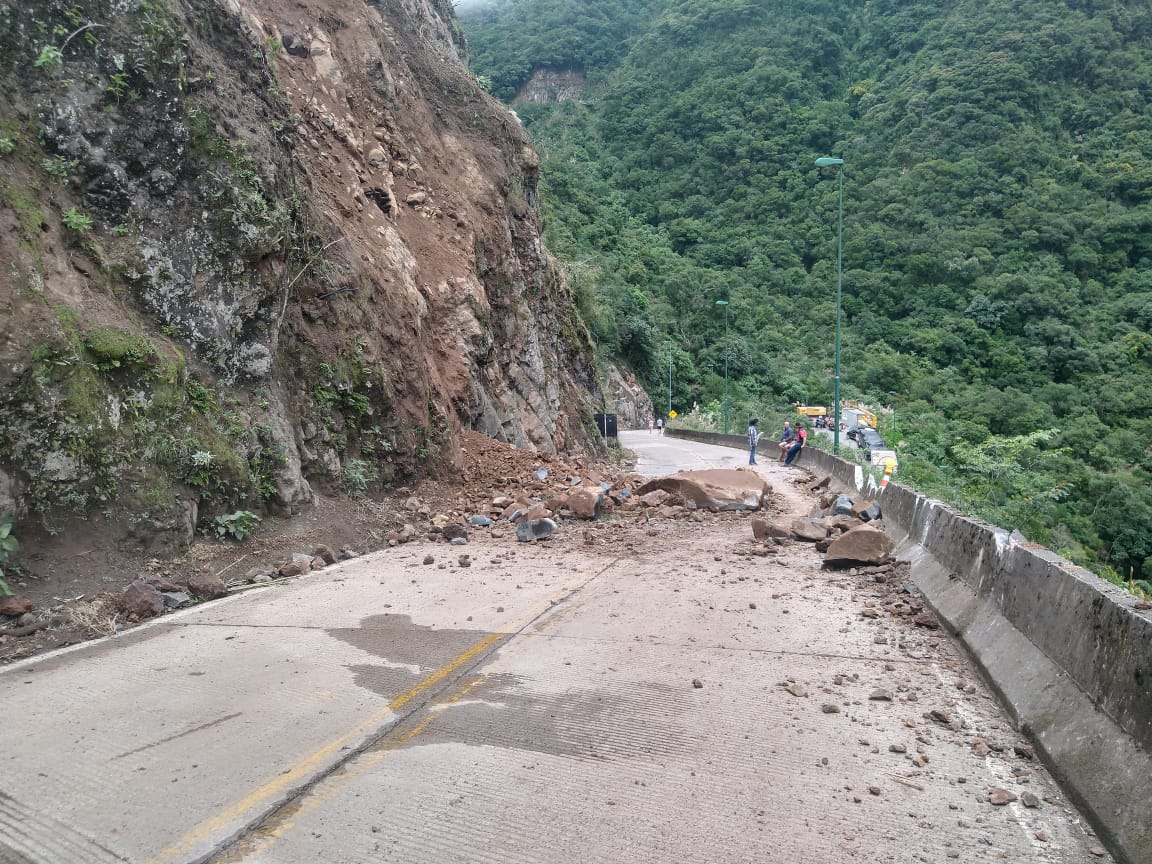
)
(1000, 797)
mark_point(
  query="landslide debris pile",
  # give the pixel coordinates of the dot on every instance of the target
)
(502, 491)
(511, 487)
(847, 531)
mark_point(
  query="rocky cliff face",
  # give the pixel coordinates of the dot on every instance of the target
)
(552, 85)
(253, 246)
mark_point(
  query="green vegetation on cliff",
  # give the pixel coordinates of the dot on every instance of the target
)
(998, 252)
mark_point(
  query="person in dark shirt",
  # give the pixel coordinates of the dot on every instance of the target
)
(786, 439)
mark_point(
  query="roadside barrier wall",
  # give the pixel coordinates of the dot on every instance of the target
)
(738, 441)
(1068, 653)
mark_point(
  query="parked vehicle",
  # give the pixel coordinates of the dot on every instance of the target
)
(811, 411)
(855, 416)
(869, 440)
(875, 450)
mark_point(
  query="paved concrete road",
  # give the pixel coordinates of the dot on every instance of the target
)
(538, 705)
(662, 454)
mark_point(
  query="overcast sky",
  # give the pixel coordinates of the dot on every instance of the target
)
(472, 5)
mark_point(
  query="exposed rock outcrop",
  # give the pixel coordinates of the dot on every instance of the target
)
(552, 85)
(624, 397)
(254, 247)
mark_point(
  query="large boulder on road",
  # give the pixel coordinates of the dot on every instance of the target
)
(810, 529)
(714, 489)
(864, 545)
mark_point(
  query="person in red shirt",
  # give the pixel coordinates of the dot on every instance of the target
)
(798, 444)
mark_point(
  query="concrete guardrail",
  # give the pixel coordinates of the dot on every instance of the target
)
(1067, 652)
(737, 441)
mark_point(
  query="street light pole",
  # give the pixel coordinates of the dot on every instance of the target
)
(822, 161)
(724, 303)
(669, 342)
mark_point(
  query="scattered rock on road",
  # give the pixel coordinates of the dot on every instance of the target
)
(175, 599)
(294, 568)
(140, 600)
(762, 529)
(325, 554)
(809, 529)
(585, 502)
(452, 531)
(537, 529)
(208, 586)
(405, 535)
(655, 498)
(1000, 797)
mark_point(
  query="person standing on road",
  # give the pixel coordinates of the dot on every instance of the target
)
(659, 425)
(651, 425)
(798, 445)
(786, 439)
(753, 439)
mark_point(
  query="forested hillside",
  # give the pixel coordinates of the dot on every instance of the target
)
(997, 243)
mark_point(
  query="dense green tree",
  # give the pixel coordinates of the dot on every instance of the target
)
(997, 225)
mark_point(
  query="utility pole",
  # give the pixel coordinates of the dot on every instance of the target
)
(724, 303)
(824, 161)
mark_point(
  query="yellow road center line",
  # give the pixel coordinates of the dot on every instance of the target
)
(310, 765)
(269, 835)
